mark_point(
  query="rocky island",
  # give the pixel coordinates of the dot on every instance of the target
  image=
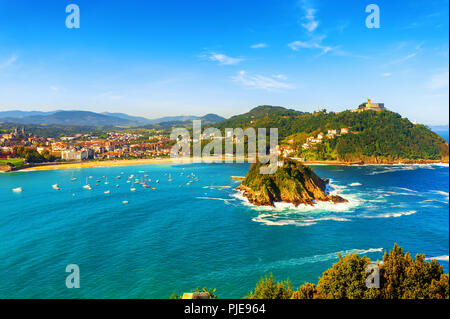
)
(292, 183)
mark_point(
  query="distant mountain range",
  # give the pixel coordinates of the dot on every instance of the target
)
(85, 118)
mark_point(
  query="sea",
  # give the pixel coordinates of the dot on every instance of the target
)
(191, 228)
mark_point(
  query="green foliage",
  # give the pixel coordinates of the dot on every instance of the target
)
(306, 291)
(269, 288)
(401, 277)
(406, 278)
(374, 135)
(13, 162)
(346, 279)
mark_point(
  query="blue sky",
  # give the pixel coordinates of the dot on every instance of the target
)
(156, 58)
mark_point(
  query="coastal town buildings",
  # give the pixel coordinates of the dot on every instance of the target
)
(81, 147)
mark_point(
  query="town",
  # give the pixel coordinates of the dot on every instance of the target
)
(84, 146)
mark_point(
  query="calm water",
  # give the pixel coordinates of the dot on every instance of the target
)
(181, 236)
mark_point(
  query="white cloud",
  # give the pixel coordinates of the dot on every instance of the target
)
(310, 23)
(261, 82)
(311, 44)
(8, 62)
(439, 81)
(280, 77)
(54, 88)
(224, 59)
(259, 46)
(387, 74)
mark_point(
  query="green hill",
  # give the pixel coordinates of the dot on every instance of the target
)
(374, 137)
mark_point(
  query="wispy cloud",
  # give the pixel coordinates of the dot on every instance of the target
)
(223, 59)
(257, 81)
(259, 46)
(387, 74)
(439, 81)
(7, 63)
(310, 23)
(315, 43)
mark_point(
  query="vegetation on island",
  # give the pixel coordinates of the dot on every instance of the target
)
(293, 183)
(401, 277)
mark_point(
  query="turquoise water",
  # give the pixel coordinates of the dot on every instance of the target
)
(181, 236)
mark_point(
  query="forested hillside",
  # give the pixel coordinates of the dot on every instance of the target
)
(372, 136)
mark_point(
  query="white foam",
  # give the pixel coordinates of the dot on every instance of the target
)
(355, 184)
(389, 215)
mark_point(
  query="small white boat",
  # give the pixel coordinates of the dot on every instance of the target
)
(56, 187)
(133, 189)
(107, 192)
(17, 190)
(125, 202)
(73, 179)
(157, 181)
(87, 186)
(117, 185)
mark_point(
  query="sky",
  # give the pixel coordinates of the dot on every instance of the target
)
(192, 57)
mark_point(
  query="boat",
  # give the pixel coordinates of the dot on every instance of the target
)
(133, 189)
(107, 192)
(157, 181)
(17, 190)
(117, 185)
(87, 186)
(73, 179)
(106, 182)
(56, 187)
(125, 202)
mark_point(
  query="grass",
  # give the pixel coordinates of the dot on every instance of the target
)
(14, 161)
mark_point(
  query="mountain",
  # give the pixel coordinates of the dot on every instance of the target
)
(84, 118)
(212, 118)
(134, 119)
(373, 137)
(257, 113)
(292, 183)
(21, 114)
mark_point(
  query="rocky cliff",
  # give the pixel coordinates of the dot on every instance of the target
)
(292, 183)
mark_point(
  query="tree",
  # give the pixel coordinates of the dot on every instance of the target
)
(269, 288)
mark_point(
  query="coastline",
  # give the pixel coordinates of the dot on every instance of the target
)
(108, 163)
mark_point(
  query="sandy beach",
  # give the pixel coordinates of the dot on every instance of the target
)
(106, 163)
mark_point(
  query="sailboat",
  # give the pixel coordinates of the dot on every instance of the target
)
(87, 186)
(56, 187)
(106, 182)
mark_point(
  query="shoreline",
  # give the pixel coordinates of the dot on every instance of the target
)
(132, 162)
